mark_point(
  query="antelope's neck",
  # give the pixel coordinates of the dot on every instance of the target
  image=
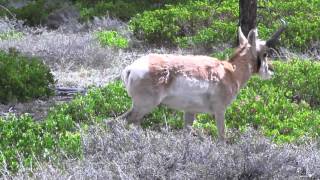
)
(243, 70)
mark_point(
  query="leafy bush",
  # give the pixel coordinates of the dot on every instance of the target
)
(33, 12)
(112, 38)
(23, 78)
(267, 107)
(303, 20)
(185, 24)
(122, 9)
(204, 23)
(23, 140)
(301, 79)
(119, 9)
(36, 12)
(96, 105)
(19, 137)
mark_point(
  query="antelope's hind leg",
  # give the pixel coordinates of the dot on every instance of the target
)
(136, 113)
(219, 116)
(141, 105)
(188, 120)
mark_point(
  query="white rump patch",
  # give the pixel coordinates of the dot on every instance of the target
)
(140, 67)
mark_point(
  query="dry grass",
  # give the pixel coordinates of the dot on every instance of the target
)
(133, 153)
(63, 48)
(73, 52)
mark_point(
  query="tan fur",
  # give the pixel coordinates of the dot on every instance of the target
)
(165, 68)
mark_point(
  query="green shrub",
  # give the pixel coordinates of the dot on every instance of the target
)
(23, 140)
(266, 106)
(23, 78)
(36, 12)
(180, 23)
(112, 39)
(206, 23)
(19, 136)
(218, 32)
(303, 20)
(302, 79)
(121, 9)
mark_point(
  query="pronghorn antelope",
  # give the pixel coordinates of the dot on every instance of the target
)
(195, 84)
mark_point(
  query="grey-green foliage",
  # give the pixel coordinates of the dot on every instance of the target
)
(23, 78)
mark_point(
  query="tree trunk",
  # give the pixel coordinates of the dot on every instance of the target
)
(248, 15)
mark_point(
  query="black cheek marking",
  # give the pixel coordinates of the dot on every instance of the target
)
(270, 68)
(258, 63)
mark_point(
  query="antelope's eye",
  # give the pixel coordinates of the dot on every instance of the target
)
(264, 55)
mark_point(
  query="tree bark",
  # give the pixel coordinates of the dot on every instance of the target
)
(248, 15)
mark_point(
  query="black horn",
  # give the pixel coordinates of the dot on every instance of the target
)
(275, 38)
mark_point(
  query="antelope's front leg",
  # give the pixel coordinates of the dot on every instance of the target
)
(188, 120)
(219, 116)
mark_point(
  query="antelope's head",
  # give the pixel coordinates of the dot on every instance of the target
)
(256, 51)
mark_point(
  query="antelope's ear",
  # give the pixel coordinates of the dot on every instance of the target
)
(242, 38)
(252, 37)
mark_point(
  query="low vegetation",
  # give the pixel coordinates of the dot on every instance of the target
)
(112, 39)
(187, 24)
(23, 78)
(273, 126)
(134, 153)
(193, 23)
(271, 107)
(205, 23)
(115, 8)
(36, 12)
(23, 140)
